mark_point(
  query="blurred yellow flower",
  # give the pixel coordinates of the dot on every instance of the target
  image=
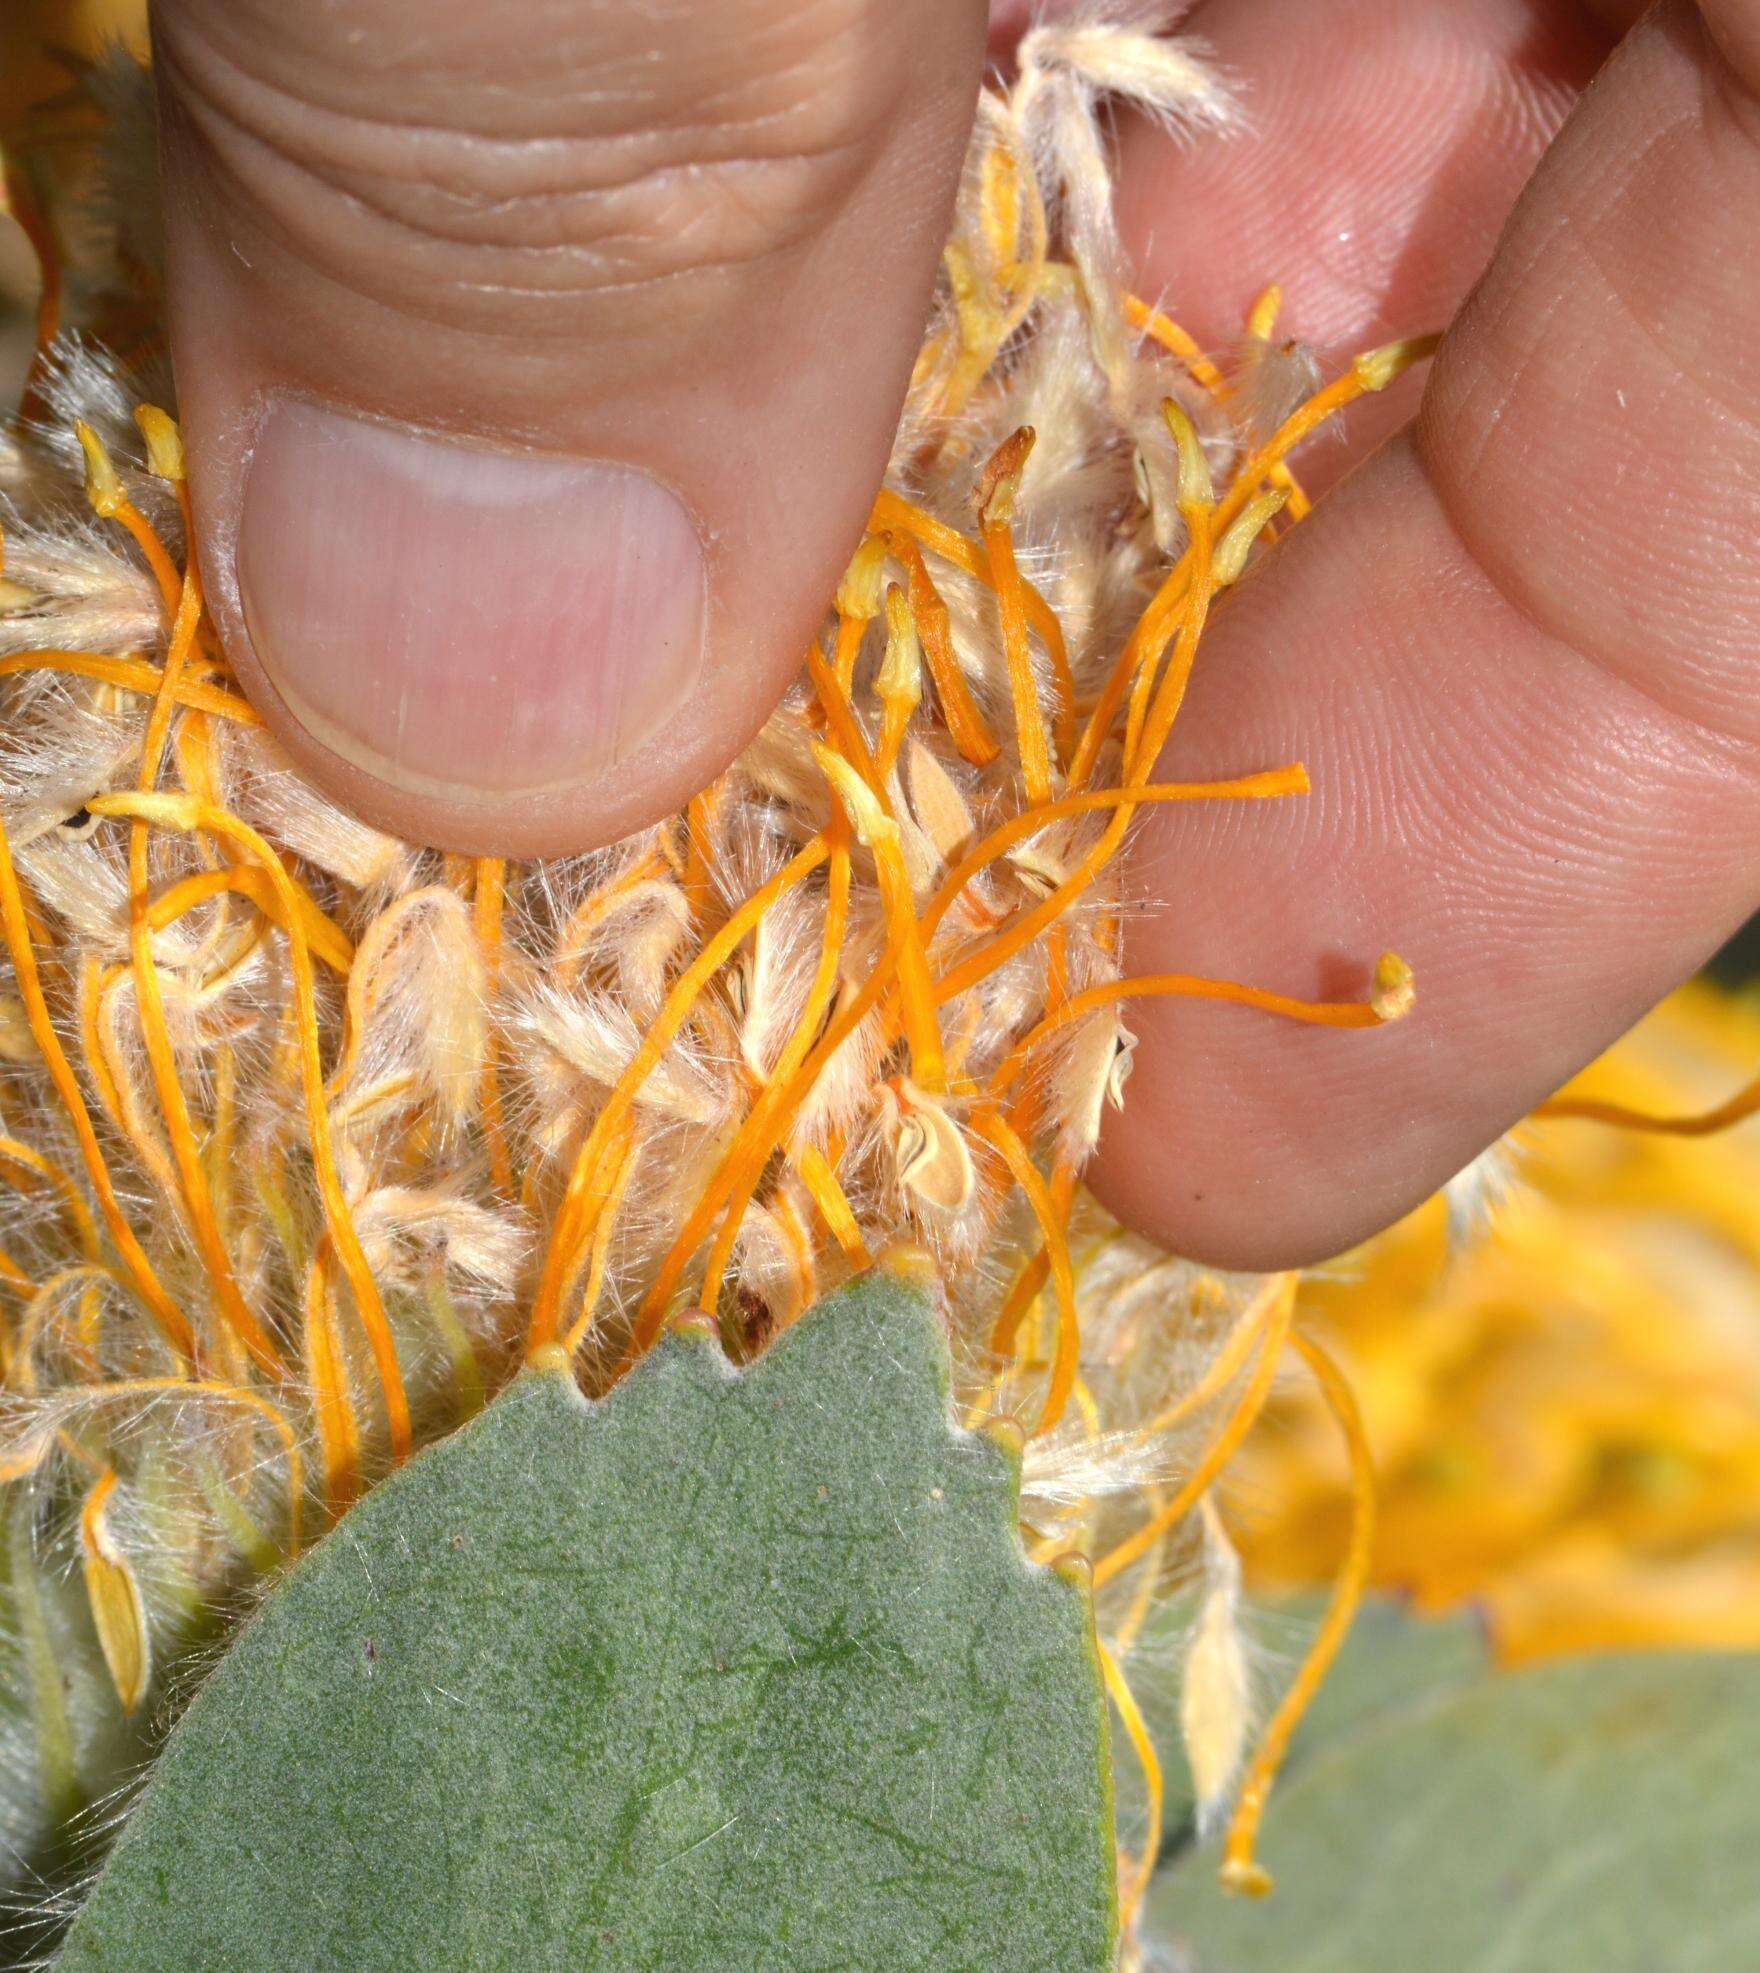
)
(1565, 1409)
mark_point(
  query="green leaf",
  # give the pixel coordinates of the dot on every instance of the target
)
(1600, 1814)
(728, 1671)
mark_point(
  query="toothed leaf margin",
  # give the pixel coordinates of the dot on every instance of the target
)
(730, 1669)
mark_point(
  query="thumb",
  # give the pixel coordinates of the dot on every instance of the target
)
(538, 362)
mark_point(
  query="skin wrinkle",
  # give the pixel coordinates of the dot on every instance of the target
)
(1585, 242)
(613, 63)
(434, 156)
(1717, 751)
(433, 297)
(627, 223)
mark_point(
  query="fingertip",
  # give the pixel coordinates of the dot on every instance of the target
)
(531, 428)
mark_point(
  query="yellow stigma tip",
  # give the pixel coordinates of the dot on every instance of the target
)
(1393, 990)
(901, 667)
(103, 487)
(1262, 318)
(1230, 559)
(869, 820)
(164, 442)
(1375, 369)
(858, 594)
(1246, 1880)
(1195, 487)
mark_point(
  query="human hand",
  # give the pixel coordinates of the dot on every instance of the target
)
(695, 243)
(1519, 646)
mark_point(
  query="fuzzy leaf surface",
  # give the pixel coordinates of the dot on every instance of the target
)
(1600, 1814)
(729, 1670)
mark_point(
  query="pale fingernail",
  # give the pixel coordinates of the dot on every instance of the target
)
(455, 618)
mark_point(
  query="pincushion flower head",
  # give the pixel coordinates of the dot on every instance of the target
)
(317, 1136)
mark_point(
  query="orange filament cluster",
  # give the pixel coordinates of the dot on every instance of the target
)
(298, 1370)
